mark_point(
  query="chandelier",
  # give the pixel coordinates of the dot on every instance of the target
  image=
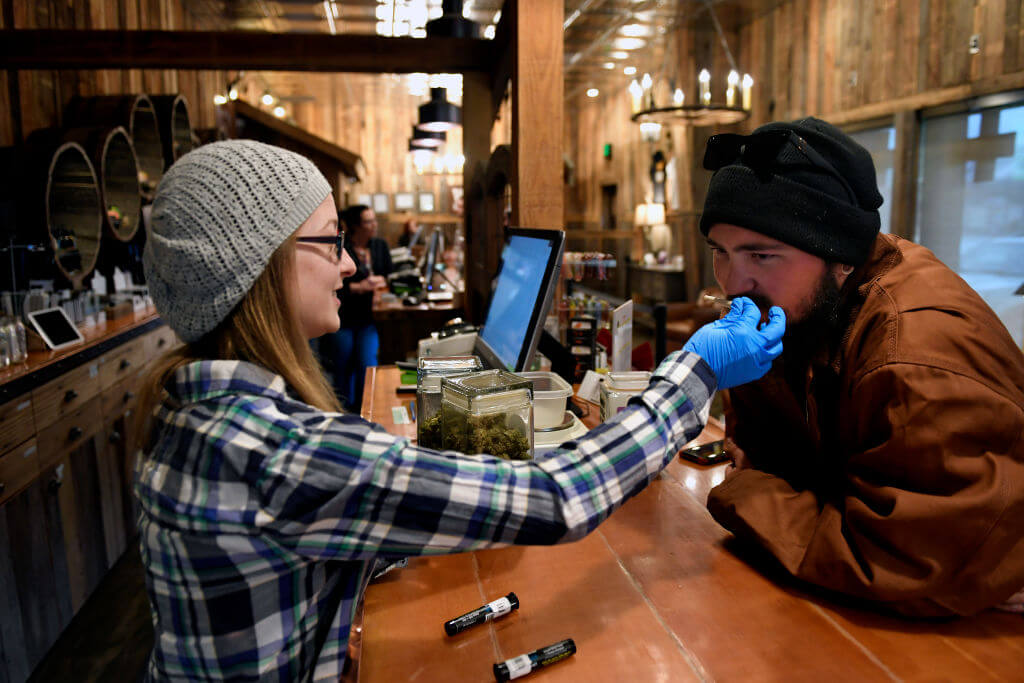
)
(656, 103)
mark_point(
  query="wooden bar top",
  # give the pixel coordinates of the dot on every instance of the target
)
(42, 364)
(658, 593)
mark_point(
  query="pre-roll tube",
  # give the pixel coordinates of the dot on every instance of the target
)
(491, 610)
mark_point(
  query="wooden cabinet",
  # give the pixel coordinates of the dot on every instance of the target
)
(66, 508)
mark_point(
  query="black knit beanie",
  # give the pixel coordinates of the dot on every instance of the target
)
(798, 203)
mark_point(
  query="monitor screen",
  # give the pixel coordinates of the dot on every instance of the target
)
(55, 327)
(430, 261)
(527, 279)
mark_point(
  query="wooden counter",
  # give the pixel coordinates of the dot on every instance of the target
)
(657, 593)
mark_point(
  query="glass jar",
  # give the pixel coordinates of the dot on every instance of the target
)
(488, 412)
(618, 387)
(429, 372)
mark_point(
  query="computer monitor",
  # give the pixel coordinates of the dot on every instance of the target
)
(527, 279)
(430, 260)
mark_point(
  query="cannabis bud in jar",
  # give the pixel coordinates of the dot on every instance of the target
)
(488, 412)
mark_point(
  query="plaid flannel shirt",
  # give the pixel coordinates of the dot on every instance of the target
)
(261, 517)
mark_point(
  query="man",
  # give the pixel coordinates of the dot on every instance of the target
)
(883, 454)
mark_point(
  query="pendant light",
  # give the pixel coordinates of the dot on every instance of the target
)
(427, 139)
(451, 23)
(439, 115)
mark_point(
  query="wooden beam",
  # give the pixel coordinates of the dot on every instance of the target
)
(537, 109)
(349, 162)
(904, 190)
(103, 49)
(928, 98)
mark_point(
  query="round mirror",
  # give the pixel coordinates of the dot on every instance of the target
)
(73, 212)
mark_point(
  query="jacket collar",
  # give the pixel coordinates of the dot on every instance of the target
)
(885, 255)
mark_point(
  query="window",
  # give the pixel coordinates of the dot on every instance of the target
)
(881, 142)
(970, 208)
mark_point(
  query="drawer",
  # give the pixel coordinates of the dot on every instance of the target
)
(68, 433)
(17, 469)
(159, 342)
(16, 422)
(120, 398)
(66, 394)
(121, 362)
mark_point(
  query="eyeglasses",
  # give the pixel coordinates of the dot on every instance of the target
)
(761, 151)
(337, 240)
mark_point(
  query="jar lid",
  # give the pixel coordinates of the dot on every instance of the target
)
(547, 384)
(486, 389)
(439, 366)
(629, 381)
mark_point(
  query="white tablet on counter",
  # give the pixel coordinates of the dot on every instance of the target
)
(55, 327)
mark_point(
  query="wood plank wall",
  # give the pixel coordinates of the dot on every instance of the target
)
(847, 61)
(43, 94)
(369, 114)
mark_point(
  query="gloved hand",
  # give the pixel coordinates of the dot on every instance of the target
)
(735, 348)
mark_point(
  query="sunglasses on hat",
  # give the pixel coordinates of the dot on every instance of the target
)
(761, 151)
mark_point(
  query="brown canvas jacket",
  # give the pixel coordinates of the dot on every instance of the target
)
(900, 479)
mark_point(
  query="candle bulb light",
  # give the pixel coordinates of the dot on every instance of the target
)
(678, 98)
(748, 85)
(730, 91)
(636, 94)
(648, 93)
(705, 86)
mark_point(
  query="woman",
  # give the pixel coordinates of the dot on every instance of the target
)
(356, 343)
(263, 508)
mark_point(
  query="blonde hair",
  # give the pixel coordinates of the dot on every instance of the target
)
(260, 330)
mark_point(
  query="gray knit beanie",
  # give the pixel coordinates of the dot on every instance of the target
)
(220, 213)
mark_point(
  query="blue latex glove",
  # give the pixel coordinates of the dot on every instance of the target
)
(735, 348)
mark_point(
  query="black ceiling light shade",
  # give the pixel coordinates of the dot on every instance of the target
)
(439, 115)
(427, 139)
(451, 23)
(418, 146)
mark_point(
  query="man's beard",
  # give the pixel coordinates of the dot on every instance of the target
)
(817, 326)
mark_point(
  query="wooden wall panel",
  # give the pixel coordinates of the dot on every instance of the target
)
(842, 60)
(44, 93)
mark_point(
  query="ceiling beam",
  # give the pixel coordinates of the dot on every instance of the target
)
(222, 50)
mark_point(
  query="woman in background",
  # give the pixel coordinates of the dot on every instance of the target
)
(356, 343)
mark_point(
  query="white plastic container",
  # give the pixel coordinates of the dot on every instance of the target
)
(550, 392)
(617, 388)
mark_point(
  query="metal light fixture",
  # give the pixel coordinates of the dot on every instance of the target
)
(659, 101)
(451, 23)
(427, 139)
(439, 115)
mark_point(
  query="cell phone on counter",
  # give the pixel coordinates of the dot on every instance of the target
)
(706, 454)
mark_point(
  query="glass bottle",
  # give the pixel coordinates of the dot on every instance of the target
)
(429, 372)
(17, 341)
(488, 412)
(5, 342)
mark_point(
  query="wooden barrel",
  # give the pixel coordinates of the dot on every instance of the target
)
(137, 114)
(175, 126)
(113, 156)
